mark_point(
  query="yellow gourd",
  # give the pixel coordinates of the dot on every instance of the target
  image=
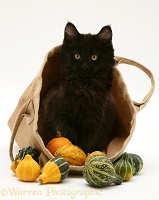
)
(95, 153)
(54, 171)
(14, 165)
(72, 154)
(28, 169)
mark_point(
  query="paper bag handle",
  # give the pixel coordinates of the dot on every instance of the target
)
(142, 104)
(20, 116)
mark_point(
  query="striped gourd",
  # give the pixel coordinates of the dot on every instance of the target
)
(54, 171)
(98, 171)
(123, 167)
(137, 161)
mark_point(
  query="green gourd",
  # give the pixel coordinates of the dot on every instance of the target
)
(99, 171)
(28, 150)
(54, 171)
(124, 168)
(136, 161)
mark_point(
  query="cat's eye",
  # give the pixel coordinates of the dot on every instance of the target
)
(94, 57)
(77, 56)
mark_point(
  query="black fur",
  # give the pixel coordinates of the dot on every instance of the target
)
(80, 105)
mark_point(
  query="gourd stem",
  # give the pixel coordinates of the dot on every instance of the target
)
(58, 134)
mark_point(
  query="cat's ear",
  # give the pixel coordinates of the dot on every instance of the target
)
(105, 34)
(71, 33)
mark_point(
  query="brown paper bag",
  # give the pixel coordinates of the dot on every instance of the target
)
(24, 121)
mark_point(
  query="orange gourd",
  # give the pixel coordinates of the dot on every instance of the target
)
(55, 143)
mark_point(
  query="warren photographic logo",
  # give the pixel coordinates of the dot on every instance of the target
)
(50, 191)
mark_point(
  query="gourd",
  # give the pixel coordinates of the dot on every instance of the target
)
(124, 168)
(14, 165)
(28, 169)
(95, 153)
(28, 150)
(55, 143)
(137, 162)
(54, 171)
(72, 154)
(99, 171)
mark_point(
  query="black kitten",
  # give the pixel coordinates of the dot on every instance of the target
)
(80, 105)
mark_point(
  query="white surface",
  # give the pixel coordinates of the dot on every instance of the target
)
(28, 29)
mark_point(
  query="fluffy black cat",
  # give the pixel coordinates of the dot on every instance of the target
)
(81, 105)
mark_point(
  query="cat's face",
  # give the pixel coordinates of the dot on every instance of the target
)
(86, 55)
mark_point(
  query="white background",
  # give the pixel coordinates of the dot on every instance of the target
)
(28, 30)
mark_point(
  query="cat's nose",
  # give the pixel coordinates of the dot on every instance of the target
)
(85, 66)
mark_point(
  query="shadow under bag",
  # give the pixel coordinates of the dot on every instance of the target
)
(24, 121)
